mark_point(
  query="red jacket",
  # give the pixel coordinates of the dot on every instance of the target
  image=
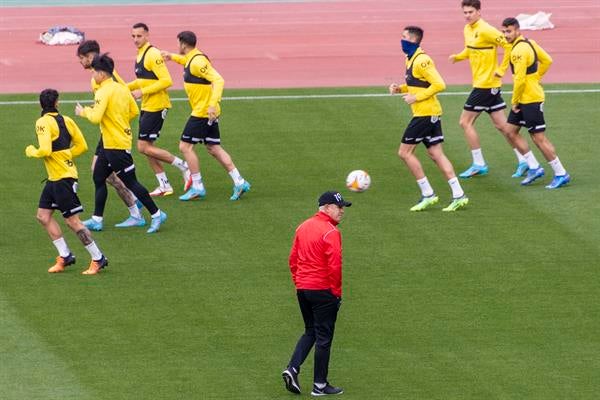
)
(316, 256)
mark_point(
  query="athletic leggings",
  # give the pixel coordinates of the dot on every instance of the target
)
(120, 162)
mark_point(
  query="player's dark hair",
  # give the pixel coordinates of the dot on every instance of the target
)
(48, 98)
(187, 37)
(415, 31)
(141, 25)
(511, 21)
(476, 4)
(88, 46)
(102, 62)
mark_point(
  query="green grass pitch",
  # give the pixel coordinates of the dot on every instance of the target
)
(497, 301)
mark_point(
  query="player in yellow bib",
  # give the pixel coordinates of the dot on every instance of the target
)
(113, 110)
(423, 82)
(150, 85)
(204, 87)
(481, 43)
(60, 140)
(529, 62)
(86, 52)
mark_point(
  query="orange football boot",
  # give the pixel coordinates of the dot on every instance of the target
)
(62, 263)
(96, 266)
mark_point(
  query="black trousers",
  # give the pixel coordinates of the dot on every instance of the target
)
(120, 162)
(319, 310)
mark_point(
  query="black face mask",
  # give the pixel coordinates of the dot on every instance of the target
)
(409, 48)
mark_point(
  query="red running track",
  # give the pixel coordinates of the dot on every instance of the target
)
(269, 45)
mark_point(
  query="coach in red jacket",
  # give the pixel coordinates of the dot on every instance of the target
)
(316, 266)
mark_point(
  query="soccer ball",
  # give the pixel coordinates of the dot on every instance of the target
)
(358, 181)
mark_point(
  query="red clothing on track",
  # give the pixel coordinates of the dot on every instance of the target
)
(316, 255)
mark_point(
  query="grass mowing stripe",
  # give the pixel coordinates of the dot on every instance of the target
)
(30, 368)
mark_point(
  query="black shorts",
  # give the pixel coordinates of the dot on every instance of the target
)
(427, 130)
(197, 130)
(61, 195)
(488, 100)
(530, 115)
(151, 123)
(118, 161)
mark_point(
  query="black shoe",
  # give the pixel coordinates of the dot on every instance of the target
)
(327, 390)
(69, 260)
(103, 262)
(290, 377)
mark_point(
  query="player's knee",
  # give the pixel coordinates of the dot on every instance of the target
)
(511, 131)
(502, 127)
(436, 152)
(309, 332)
(541, 140)
(465, 123)
(74, 223)
(404, 153)
(43, 218)
(111, 179)
(185, 147)
(538, 138)
(213, 149)
(114, 181)
(323, 342)
(142, 146)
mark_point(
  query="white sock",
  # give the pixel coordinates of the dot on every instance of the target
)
(163, 181)
(156, 214)
(236, 177)
(557, 166)
(320, 385)
(134, 211)
(97, 218)
(179, 163)
(532, 162)
(457, 190)
(426, 189)
(520, 157)
(197, 181)
(61, 246)
(94, 251)
(477, 157)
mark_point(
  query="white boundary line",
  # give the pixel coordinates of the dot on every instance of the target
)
(309, 96)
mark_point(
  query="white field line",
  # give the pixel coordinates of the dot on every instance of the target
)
(308, 96)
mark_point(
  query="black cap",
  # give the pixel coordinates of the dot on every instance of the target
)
(333, 197)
